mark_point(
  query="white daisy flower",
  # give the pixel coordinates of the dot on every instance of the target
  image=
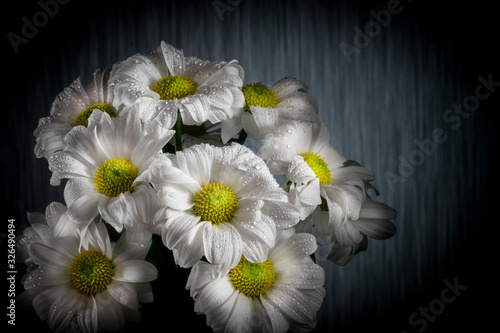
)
(350, 235)
(73, 107)
(316, 171)
(267, 108)
(92, 287)
(54, 212)
(166, 82)
(221, 202)
(104, 163)
(280, 294)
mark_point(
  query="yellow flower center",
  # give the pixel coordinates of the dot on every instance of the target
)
(174, 86)
(257, 94)
(91, 272)
(253, 279)
(215, 202)
(83, 118)
(115, 176)
(319, 166)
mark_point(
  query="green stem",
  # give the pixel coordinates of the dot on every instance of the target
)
(177, 135)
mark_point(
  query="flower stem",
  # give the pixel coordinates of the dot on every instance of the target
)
(177, 135)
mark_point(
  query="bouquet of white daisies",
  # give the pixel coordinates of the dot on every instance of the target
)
(154, 149)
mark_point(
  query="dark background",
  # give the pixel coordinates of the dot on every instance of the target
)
(396, 90)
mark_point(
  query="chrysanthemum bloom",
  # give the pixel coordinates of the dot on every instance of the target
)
(73, 107)
(318, 174)
(280, 294)
(166, 82)
(221, 202)
(54, 212)
(104, 163)
(86, 286)
(267, 108)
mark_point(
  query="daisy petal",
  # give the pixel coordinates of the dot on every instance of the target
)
(300, 106)
(63, 310)
(292, 302)
(376, 210)
(239, 319)
(47, 256)
(174, 58)
(176, 229)
(222, 244)
(144, 292)
(114, 211)
(84, 209)
(72, 97)
(287, 86)
(214, 294)
(257, 237)
(195, 109)
(277, 319)
(189, 249)
(303, 275)
(111, 316)
(298, 246)
(125, 294)
(135, 271)
(375, 228)
(229, 128)
(87, 316)
(43, 302)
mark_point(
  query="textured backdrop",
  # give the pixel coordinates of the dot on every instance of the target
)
(411, 95)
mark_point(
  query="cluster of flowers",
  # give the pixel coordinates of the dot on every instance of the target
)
(154, 147)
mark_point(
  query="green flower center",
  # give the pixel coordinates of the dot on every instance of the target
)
(115, 176)
(257, 94)
(319, 166)
(253, 279)
(91, 272)
(83, 118)
(215, 202)
(174, 86)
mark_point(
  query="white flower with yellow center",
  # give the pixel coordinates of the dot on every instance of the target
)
(84, 285)
(165, 82)
(282, 293)
(104, 163)
(316, 171)
(267, 108)
(329, 190)
(350, 235)
(73, 107)
(54, 212)
(221, 202)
